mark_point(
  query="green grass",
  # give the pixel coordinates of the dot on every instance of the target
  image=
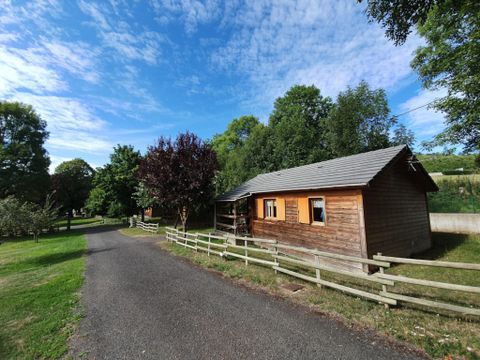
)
(136, 232)
(457, 194)
(440, 334)
(39, 284)
(78, 221)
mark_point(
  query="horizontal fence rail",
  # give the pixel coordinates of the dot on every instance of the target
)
(150, 227)
(279, 257)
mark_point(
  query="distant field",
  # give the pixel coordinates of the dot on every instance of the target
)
(440, 162)
(457, 194)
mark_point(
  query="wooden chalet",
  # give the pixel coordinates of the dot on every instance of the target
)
(356, 205)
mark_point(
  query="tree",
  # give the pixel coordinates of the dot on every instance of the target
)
(448, 60)
(143, 198)
(403, 136)
(180, 174)
(117, 181)
(229, 149)
(360, 121)
(23, 159)
(14, 216)
(297, 124)
(72, 182)
(97, 202)
(42, 217)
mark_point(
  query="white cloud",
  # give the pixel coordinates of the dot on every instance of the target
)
(424, 120)
(276, 44)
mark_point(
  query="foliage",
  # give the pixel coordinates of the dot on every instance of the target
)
(24, 161)
(450, 60)
(402, 136)
(115, 184)
(457, 194)
(229, 147)
(360, 121)
(180, 174)
(20, 218)
(297, 125)
(14, 216)
(143, 198)
(97, 202)
(72, 182)
(442, 163)
(39, 295)
(42, 217)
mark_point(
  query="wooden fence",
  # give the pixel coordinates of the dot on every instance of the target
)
(280, 258)
(147, 227)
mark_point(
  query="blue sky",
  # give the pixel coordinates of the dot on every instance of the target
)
(118, 71)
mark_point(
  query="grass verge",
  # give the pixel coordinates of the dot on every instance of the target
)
(439, 335)
(78, 221)
(136, 232)
(39, 284)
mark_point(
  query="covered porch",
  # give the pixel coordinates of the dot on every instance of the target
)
(233, 216)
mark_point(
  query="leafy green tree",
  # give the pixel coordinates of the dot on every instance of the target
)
(42, 217)
(402, 136)
(360, 121)
(448, 60)
(117, 181)
(97, 202)
(14, 217)
(297, 125)
(143, 198)
(229, 149)
(72, 182)
(24, 161)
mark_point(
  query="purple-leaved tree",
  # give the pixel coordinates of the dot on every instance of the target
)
(180, 174)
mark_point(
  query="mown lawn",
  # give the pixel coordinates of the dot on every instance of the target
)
(136, 232)
(78, 221)
(440, 334)
(39, 284)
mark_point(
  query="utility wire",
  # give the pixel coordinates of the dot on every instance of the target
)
(414, 109)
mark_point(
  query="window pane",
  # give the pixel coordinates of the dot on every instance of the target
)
(318, 212)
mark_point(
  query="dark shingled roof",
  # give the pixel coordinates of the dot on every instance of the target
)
(350, 171)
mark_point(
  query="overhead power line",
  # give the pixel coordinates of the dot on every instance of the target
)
(414, 109)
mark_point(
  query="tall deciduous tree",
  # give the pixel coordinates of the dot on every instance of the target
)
(143, 199)
(24, 161)
(180, 174)
(403, 136)
(448, 60)
(360, 121)
(229, 149)
(72, 182)
(297, 126)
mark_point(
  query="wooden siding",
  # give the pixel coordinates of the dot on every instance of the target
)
(341, 233)
(396, 213)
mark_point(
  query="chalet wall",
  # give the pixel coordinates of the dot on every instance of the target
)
(343, 230)
(396, 213)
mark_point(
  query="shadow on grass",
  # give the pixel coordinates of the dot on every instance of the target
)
(52, 259)
(442, 243)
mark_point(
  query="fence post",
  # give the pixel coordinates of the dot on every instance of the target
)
(275, 251)
(208, 247)
(317, 271)
(196, 242)
(246, 251)
(384, 287)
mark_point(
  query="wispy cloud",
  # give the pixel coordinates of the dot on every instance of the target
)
(424, 120)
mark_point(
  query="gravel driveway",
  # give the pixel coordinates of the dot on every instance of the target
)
(142, 303)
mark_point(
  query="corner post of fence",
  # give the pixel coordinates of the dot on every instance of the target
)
(317, 270)
(246, 251)
(196, 242)
(208, 246)
(384, 287)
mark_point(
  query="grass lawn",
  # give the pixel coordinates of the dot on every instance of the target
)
(79, 221)
(440, 335)
(39, 284)
(136, 232)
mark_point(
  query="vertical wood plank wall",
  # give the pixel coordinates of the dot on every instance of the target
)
(396, 213)
(341, 234)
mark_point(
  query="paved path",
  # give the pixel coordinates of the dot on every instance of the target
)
(142, 303)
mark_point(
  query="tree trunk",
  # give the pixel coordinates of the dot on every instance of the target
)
(142, 212)
(69, 218)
